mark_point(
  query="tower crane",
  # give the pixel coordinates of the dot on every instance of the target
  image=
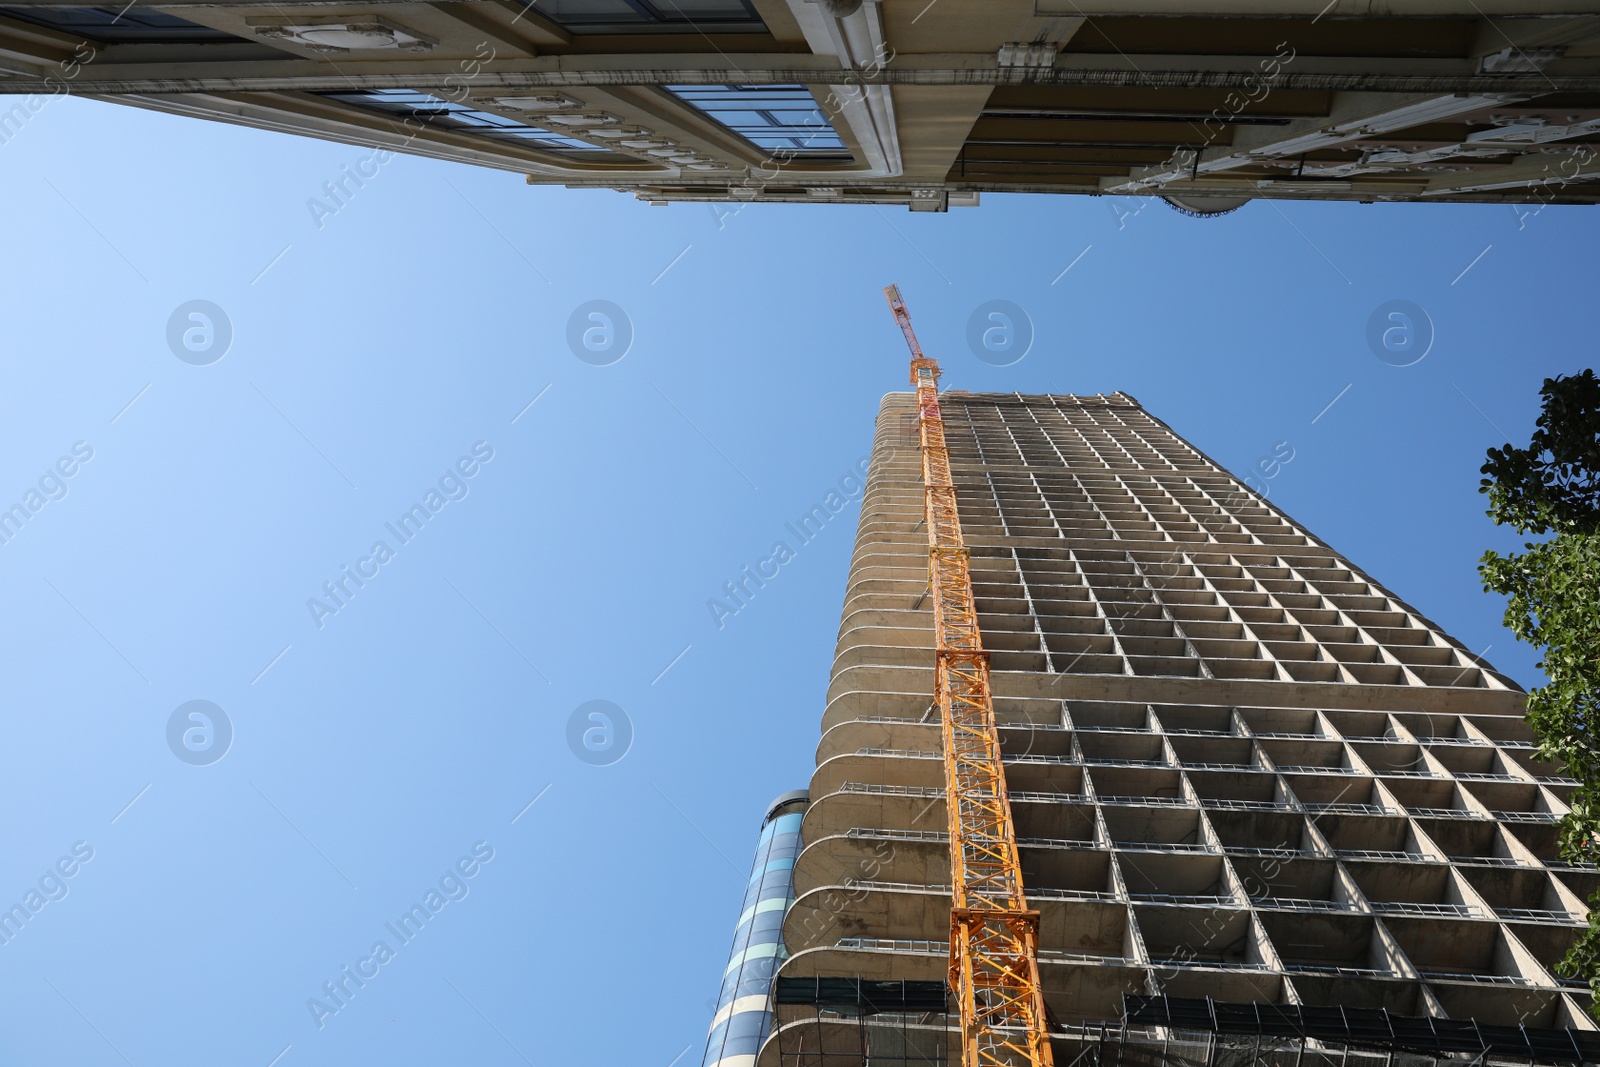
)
(994, 935)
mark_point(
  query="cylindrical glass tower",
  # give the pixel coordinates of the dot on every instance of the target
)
(743, 1017)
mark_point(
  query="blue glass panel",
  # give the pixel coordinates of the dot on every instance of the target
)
(764, 927)
(781, 118)
(121, 25)
(637, 16)
(771, 866)
(446, 115)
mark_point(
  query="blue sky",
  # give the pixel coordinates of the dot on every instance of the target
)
(369, 357)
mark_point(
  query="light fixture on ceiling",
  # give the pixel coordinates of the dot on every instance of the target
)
(537, 102)
(344, 35)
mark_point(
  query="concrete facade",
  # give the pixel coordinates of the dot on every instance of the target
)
(1239, 767)
(926, 105)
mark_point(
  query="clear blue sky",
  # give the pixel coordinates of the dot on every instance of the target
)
(368, 356)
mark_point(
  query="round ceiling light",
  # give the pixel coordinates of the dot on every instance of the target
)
(362, 36)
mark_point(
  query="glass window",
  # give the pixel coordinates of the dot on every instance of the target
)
(771, 117)
(112, 25)
(445, 115)
(767, 927)
(650, 16)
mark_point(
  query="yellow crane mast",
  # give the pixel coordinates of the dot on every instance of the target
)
(994, 935)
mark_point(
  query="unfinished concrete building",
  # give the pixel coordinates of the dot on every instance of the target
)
(909, 102)
(1239, 768)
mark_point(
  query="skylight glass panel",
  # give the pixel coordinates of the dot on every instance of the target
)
(771, 117)
(446, 114)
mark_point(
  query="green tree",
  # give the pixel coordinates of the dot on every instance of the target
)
(1551, 490)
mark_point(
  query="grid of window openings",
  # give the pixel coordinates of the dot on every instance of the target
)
(446, 114)
(771, 117)
(651, 16)
(1257, 854)
(1102, 543)
(118, 25)
(1238, 767)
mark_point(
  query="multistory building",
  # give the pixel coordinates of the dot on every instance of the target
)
(908, 102)
(1239, 768)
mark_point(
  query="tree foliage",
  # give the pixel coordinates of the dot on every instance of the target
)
(1551, 489)
(1553, 485)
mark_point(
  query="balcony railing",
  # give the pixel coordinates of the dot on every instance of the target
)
(1047, 798)
(1167, 846)
(882, 944)
(909, 887)
(1061, 842)
(1527, 816)
(874, 789)
(1303, 904)
(1170, 802)
(1541, 915)
(1479, 979)
(1351, 809)
(1447, 813)
(1407, 907)
(1096, 761)
(1047, 955)
(1226, 965)
(1314, 768)
(1186, 900)
(877, 834)
(1034, 893)
(1340, 970)
(1497, 861)
(1249, 805)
